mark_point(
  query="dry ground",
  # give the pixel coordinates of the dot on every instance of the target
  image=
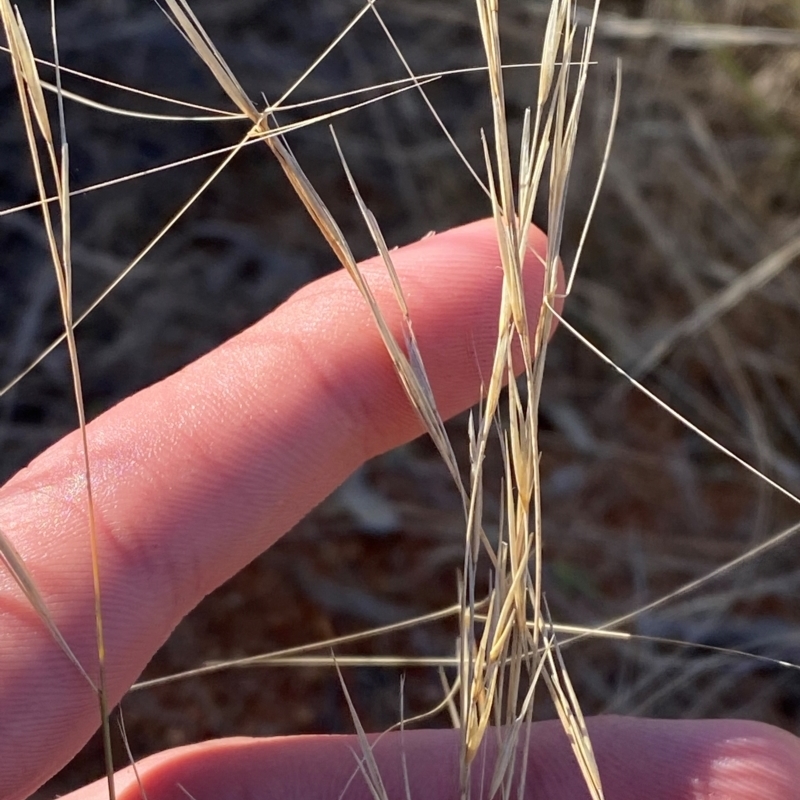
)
(703, 185)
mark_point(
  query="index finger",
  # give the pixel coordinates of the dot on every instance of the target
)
(198, 474)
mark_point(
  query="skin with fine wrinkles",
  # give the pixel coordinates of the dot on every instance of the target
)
(197, 475)
(677, 760)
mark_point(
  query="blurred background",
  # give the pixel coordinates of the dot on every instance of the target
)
(688, 279)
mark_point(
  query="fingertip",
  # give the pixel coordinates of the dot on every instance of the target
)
(452, 285)
(233, 449)
(696, 759)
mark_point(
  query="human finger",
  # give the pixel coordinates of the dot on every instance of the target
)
(195, 476)
(656, 759)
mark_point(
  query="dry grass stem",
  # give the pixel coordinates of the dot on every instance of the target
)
(723, 569)
(34, 109)
(673, 413)
(508, 645)
(492, 663)
(256, 134)
(16, 567)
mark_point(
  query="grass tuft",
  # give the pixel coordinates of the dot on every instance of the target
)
(738, 254)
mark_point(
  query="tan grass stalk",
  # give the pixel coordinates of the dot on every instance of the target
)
(16, 566)
(498, 648)
(492, 663)
(367, 765)
(408, 365)
(508, 646)
(573, 633)
(333, 644)
(507, 642)
(418, 81)
(671, 411)
(752, 553)
(255, 135)
(392, 87)
(34, 110)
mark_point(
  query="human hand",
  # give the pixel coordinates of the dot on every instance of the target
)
(198, 474)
